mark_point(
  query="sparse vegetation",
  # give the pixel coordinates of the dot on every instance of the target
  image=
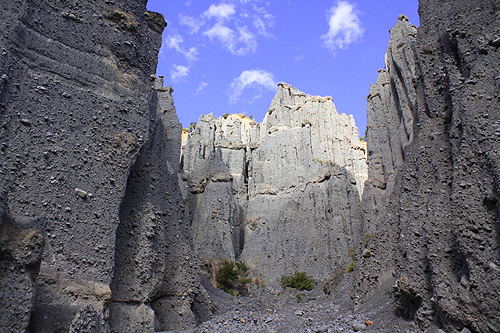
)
(190, 128)
(366, 238)
(298, 280)
(299, 298)
(225, 115)
(351, 267)
(365, 137)
(320, 161)
(231, 277)
(351, 252)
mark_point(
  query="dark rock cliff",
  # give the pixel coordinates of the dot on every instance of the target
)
(85, 142)
(432, 196)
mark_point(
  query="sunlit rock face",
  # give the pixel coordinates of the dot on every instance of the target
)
(270, 193)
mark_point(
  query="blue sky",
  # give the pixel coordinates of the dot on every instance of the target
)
(228, 56)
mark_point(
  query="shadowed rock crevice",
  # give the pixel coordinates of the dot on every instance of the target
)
(21, 248)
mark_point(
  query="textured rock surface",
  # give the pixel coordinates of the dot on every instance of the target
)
(304, 182)
(266, 193)
(21, 247)
(153, 238)
(440, 227)
(78, 115)
(215, 159)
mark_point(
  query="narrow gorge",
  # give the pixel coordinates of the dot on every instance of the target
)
(114, 220)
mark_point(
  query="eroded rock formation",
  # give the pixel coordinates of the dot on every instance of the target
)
(87, 173)
(266, 193)
(433, 160)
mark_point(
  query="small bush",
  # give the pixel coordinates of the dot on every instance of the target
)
(299, 281)
(225, 115)
(231, 277)
(351, 267)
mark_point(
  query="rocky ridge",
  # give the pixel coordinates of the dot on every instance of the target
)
(265, 192)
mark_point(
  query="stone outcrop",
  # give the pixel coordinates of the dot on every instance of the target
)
(265, 193)
(432, 193)
(215, 159)
(89, 173)
(153, 239)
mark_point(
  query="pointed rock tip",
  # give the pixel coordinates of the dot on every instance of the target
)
(403, 17)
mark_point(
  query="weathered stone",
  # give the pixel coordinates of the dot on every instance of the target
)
(152, 240)
(21, 247)
(91, 122)
(88, 320)
(433, 169)
(265, 193)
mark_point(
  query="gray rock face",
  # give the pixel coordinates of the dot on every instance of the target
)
(440, 228)
(21, 247)
(305, 177)
(89, 154)
(266, 193)
(153, 239)
(391, 114)
(215, 159)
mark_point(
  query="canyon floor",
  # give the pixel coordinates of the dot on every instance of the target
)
(276, 310)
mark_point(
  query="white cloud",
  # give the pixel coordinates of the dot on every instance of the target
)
(202, 86)
(241, 42)
(246, 42)
(192, 22)
(220, 12)
(179, 72)
(257, 79)
(175, 42)
(222, 33)
(262, 20)
(345, 26)
(236, 25)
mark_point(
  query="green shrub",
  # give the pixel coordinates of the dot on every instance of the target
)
(351, 252)
(225, 115)
(231, 277)
(298, 280)
(351, 267)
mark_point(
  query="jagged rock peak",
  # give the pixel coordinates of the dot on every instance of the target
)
(333, 137)
(304, 164)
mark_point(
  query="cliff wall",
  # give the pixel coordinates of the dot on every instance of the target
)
(81, 137)
(433, 159)
(265, 193)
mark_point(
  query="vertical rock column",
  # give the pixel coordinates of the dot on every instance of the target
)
(215, 159)
(441, 221)
(305, 177)
(156, 283)
(75, 102)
